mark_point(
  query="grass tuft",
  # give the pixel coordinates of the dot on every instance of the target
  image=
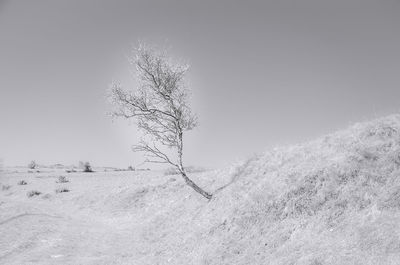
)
(33, 193)
(62, 179)
(61, 190)
(22, 182)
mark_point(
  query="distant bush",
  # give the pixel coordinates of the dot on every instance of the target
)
(70, 170)
(32, 165)
(61, 190)
(33, 193)
(87, 167)
(22, 182)
(62, 179)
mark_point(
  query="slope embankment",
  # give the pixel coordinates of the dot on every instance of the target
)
(335, 200)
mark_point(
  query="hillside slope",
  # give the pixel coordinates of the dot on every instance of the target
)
(335, 200)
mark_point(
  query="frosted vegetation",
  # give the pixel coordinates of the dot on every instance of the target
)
(335, 200)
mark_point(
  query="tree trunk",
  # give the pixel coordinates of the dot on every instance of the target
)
(182, 169)
(195, 187)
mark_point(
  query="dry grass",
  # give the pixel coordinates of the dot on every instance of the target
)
(33, 193)
(315, 202)
(61, 190)
(335, 200)
(22, 182)
(62, 179)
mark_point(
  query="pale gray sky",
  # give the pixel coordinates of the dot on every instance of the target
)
(264, 73)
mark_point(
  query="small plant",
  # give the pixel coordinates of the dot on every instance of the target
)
(32, 165)
(87, 167)
(33, 193)
(22, 182)
(62, 179)
(61, 190)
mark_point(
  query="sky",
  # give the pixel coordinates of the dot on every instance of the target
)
(263, 73)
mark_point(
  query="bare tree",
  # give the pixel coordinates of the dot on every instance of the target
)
(160, 106)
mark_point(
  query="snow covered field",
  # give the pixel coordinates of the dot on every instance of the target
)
(105, 218)
(335, 200)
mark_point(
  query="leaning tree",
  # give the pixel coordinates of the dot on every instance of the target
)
(160, 107)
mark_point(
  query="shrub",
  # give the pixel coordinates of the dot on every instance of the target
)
(32, 165)
(33, 193)
(22, 182)
(87, 167)
(62, 179)
(61, 190)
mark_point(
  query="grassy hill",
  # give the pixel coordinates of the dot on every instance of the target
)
(335, 200)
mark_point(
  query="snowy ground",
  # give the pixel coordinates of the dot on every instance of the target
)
(335, 200)
(106, 218)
